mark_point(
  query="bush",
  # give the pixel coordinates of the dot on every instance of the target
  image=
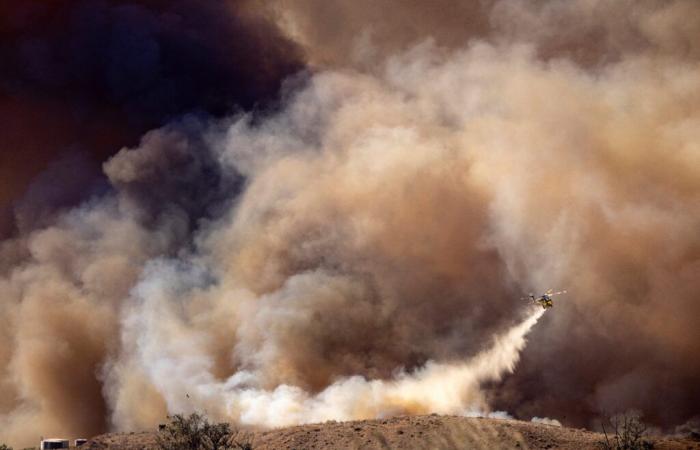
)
(5, 447)
(625, 432)
(195, 432)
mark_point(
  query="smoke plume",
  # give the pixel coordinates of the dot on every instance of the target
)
(81, 79)
(361, 250)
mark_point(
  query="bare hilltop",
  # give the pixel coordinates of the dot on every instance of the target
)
(408, 432)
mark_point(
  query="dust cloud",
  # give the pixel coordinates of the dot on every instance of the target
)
(361, 250)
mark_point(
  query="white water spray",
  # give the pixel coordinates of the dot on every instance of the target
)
(445, 388)
(450, 388)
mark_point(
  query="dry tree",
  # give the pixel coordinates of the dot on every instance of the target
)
(195, 432)
(625, 432)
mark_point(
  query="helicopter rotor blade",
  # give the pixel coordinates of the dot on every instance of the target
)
(558, 293)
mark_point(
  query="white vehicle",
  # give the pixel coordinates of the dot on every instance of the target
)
(50, 444)
(80, 441)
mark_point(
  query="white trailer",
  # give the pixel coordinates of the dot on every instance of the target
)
(52, 444)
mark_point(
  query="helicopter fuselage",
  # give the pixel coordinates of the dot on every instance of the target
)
(545, 301)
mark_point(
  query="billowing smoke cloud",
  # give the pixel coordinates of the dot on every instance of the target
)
(84, 78)
(360, 33)
(337, 257)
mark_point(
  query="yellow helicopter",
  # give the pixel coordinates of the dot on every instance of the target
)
(544, 300)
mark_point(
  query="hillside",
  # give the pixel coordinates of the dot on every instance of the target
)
(407, 432)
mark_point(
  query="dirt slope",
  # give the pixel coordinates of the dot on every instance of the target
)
(417, 432)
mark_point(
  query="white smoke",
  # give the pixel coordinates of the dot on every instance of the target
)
(440, 388)
(546, 421)
(175, 363)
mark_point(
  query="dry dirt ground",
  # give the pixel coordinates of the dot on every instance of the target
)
(415, 432)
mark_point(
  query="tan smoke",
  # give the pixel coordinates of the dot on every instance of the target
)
(387, 219)
(361, 33)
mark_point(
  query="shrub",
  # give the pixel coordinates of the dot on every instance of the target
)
(625, 432)
(195, 432)
(5, 447)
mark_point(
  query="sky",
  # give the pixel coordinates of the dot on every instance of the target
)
(286, 212)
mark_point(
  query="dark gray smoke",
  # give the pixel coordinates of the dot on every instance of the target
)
(88, 77)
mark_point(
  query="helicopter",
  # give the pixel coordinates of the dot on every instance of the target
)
(544, 300)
